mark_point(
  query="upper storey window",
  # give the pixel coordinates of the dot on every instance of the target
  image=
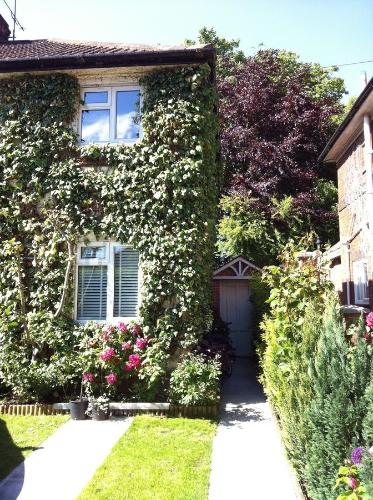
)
(110, 115)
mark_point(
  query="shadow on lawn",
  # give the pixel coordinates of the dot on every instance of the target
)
(10, 458)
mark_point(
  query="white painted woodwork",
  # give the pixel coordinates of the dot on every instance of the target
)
(236, 308)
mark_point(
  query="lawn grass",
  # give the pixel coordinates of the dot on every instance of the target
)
(20, 435)
(157, 459)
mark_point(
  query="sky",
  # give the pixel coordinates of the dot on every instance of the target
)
(325, 31)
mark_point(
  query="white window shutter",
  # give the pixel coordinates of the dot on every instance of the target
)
(126, 282)
(92, 293)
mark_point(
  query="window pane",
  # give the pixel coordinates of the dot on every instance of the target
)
(128, 114)
(126, 272)
(95, 125)
(361, 281)
(92, 292)
(95, 97)
(93, 252)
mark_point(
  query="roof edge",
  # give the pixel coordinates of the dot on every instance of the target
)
(359, 101)
(191, 55)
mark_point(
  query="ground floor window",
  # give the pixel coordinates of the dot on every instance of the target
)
(360, 273)
(107, 284)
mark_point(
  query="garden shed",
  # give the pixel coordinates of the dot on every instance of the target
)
(231, 300)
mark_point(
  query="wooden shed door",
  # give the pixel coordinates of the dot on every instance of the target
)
(235, 308)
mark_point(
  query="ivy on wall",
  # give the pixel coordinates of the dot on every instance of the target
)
(159, 195)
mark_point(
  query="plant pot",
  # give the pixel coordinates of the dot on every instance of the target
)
(78, 409)
(99, 414)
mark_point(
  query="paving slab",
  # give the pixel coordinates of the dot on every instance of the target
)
(248, 460)
(65, 462)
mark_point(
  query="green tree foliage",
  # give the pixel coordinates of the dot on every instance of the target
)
(243, 229)
(347, 108)
(229, 56)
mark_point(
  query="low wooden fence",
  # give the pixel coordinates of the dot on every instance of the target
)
(117, 409)
(36, 409)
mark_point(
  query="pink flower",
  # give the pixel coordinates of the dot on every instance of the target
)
(353, 483)
(367, 337)
(141, 343)
(108, 354)
(369, 320)
(126, 345)
(134, 360)
(88, 377)
(136, 329)
(108, 329)
(128, 367)
(122, 327)
(105, 337)
(111, 378)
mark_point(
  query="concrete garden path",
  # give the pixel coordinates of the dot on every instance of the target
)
(65, 462)
(248, 460)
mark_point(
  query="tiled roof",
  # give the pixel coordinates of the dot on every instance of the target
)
(44, 48)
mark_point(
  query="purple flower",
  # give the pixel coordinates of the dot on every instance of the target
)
(357, 455)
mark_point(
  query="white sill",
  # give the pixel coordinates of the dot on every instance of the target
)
(112, 321)
(112, 143)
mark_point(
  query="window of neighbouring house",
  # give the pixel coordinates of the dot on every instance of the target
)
(107, 282)
(360, 274)
(110, 115)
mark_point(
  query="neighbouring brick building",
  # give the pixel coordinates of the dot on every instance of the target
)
(349, 150)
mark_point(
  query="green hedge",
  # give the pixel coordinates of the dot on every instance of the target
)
(315, 377)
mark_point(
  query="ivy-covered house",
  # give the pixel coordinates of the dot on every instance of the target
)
(108, 195)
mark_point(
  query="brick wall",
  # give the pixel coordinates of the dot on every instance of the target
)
(351, 184)
(216, 296)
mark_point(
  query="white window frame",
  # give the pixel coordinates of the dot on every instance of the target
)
(111, 105)
(109, 262)
(357, 272)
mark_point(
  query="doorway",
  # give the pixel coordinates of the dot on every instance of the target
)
(236, 310)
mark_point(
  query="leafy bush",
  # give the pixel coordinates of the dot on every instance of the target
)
(217, 343)
(45, 369)
(316, 374)
(112, 356)
(195, 381)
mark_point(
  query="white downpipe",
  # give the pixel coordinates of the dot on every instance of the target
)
(369, 192)
(369, 174)
(349, 275)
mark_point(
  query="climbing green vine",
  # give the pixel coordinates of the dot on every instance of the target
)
(159, 195)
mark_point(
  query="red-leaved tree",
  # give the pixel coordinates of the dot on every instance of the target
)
(276, 116)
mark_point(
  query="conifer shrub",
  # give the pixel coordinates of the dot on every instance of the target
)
(330, 418)
(290, 332)
(318, 377)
